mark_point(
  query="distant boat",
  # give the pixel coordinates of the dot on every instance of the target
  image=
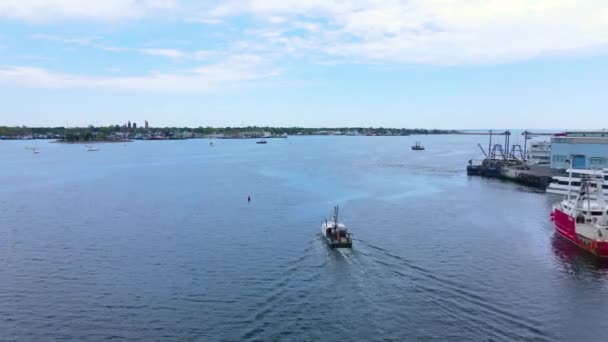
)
(92, 148)
(35, 147)
(418, 147)
(263, 141)
(335, 233)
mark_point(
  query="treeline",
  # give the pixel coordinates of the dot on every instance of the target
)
(308, 131)
(72, 132)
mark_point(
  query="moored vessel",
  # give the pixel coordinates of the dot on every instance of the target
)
(417, 147)
(562, 184)
(335, 233)
(582, 216)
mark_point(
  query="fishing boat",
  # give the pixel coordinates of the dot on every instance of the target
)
(417, 147)
(263, 141)
(582, 217)
(335, 233)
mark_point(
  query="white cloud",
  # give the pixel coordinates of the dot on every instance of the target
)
(167, 53)
(435, 31)
(233, 72)
(77, 41)
(445, 32)
(39, 11)
(159, 52)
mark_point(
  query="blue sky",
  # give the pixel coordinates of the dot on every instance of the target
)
(392, 63)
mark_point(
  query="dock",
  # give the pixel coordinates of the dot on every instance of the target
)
(537, 176)
(511, 163)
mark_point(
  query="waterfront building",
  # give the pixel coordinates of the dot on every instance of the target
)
(584, 149)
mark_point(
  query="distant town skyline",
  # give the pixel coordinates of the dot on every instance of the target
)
(306, 63)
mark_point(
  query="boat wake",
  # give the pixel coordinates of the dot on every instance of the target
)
(285, 294)
(465, 306)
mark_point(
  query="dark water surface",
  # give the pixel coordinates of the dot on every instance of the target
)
(155, 241)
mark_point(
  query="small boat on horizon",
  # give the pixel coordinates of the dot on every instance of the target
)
(335, 233)
(92, 148)
(417, 147)
(263, 141)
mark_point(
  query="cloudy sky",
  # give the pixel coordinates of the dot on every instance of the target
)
(397, 63)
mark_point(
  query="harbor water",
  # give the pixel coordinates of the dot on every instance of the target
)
(156, 240)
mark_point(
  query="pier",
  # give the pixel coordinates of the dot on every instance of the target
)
(538, 176)
(510, 163)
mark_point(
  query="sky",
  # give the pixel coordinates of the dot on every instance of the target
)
(454, 64)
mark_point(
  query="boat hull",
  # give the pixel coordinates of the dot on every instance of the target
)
(332, 242)
(473, 170)
(565, 226)
(343, 243)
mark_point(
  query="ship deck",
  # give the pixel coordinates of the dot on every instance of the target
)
(588, 231)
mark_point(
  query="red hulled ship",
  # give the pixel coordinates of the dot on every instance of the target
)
(582, 216)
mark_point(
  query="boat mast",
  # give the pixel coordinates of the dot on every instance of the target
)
(570, 179)
(490, 145)
(525, 145)
(601, 199)
(336, 217)
(587, 188)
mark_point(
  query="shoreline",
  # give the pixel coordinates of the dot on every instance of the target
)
(90, 142)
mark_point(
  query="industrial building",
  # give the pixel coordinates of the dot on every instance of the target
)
(581, 149)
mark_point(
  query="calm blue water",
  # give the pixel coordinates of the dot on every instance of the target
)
(156, 241)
